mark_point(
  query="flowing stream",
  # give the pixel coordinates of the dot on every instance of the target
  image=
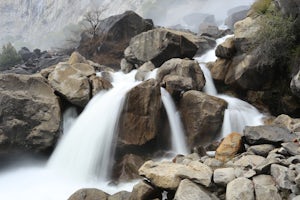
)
(178, 140)
(238, 113)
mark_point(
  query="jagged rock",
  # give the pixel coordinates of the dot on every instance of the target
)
(89, 194)
(280, 175)
(98, 84)
(223, 176)
(244, 30)
(202, 116)
(284, 120)
(84, 69)
(112, 37)
(71, 84)
(126, 67)
(163, 174)
(158, 46)
(189, 190)
(212, 31)
(292, 148)
(213, 163)
(240, 188)
(30, 113)
(244, 172)
(128, 167)
(236, 16)
(140, 117)
(186, 73)
(229, 147)
(168, 175)
(196, 171)
(143, 71)
(264, 167)
(261, 150)
(219, 69)
(143, 191)
(123, 195)
(249, 160)
(267, 134)
(77, 58)
(25, 54)
(227, 49)
(264, 187)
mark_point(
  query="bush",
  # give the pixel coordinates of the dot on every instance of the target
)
(276, 37)
(261, 6)
(9, 57)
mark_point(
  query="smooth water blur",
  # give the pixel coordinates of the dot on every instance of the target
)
(239, 113)
(179, 145)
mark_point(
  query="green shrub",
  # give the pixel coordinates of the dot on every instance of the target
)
(276, 37)
(261, 6)
(9, 57)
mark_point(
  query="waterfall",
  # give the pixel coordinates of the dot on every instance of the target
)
(85, 152)
(177, 134)
(69, 117)
(238, 113)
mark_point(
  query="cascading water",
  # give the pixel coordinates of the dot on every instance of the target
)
(69, 117)
(178, 139)
(86, 150)
(238, 113)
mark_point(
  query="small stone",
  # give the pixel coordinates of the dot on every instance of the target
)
(240, 188)
(189, 190)
(280, 175)
(292, 148)
(223, 176)
(249, 160)
(261, 150)
(143, 190)
(265, 188)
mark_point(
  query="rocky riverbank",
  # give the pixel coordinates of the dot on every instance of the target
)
(256, 164)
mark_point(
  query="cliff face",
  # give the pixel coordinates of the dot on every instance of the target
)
(46, 23)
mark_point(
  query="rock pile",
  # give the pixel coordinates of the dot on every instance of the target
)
(262, 163)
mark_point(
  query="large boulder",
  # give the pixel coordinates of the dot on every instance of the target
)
(267, 134)
(112, 37)
(71, 84)
(179, 75)
(235, 15)
(202, 116)
(167, 175)
(158, 46)
(229, 147)
(140, 118)
(29, 112)
(72, 80)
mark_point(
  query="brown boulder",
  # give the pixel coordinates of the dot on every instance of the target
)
(227, 49)
(71, 82)
(158, 46)
(140, 117)
(202, 116)
(128, 167)
(98, 84)
(29, 113)
(229, 147)
(179, 75)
